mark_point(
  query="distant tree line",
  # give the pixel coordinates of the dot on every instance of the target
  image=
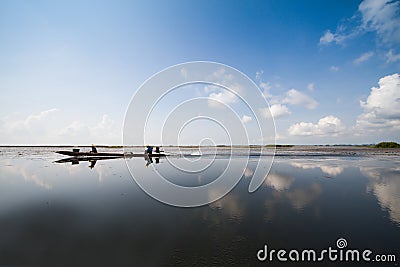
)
(387, 145)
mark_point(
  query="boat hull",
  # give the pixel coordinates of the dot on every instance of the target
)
(106, 154)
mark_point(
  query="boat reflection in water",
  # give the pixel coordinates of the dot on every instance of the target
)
(93, 156)
(93, 159)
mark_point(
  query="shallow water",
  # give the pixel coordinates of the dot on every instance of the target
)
(69, 214)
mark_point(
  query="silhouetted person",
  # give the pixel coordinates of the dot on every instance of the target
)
(94, 149)
(149, 149)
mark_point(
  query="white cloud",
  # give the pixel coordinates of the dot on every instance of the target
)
(222, 76)
(382, 107)
(106, 123)
(327, 126)
(265, 112)
(392, 57)
(279, 110)
(266, 87)
(334, 68)
(378, 16)
(295, 97)
(32, 121)
(276, 111)
(210, 88)
(385, 99)
(311, 87)
(75, 130)
(338, 37)
(103, 132)
(259, 74)
(279, 103)
(223, 97)
(381, 16)
(327, 38)
(106, 131)
(246, 119)
(41, 115)
(52, 127)
(31, 130)
(364, 57)
(225, 77)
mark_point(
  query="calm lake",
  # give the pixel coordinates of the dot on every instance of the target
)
(64, 214)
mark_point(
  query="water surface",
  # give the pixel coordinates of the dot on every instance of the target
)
(70, 214)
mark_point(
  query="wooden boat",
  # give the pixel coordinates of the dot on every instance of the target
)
(107, 154)
(89, 154)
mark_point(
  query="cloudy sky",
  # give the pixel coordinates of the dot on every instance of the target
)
(329, 69)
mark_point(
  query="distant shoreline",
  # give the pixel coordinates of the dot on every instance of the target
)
(197, 146)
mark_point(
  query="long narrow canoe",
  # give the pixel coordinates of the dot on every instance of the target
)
(89, 154)
(106, 154)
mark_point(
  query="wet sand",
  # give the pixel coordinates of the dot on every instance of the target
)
(46, 152)
(338, 151)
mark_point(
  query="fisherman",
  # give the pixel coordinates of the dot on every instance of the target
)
(149, 149)
(94, 149)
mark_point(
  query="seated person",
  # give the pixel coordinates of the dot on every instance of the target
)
(94, 149)
(149, 149)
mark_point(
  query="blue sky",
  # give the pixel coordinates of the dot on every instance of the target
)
(69, 68)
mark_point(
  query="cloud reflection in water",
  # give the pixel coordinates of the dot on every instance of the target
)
(384, 183)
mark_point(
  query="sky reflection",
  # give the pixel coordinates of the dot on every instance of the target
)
(64, 208)
(384, 183)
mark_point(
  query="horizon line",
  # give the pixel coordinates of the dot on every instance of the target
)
(186, 145)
